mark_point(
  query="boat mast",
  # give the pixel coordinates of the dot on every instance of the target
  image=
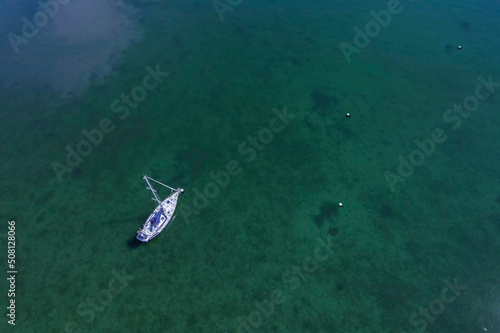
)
(152, 190)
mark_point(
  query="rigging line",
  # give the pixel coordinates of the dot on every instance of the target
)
(171, 188)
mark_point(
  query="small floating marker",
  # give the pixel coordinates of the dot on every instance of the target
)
(459, 47)
(348, 115)
(340, 204)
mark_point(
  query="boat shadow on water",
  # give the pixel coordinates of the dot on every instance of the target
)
(134, 243)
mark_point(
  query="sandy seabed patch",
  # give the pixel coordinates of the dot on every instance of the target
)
(81, 43)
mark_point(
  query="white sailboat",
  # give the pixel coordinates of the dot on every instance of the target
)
(162, 215)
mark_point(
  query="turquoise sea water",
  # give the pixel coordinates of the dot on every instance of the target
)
(250, 254)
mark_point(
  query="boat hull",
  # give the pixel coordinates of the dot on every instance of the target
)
(156, 223)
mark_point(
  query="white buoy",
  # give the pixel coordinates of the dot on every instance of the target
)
(459, 47)
(340, 204)
(348, 115)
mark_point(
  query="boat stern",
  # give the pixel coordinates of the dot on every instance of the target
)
(142, 236)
